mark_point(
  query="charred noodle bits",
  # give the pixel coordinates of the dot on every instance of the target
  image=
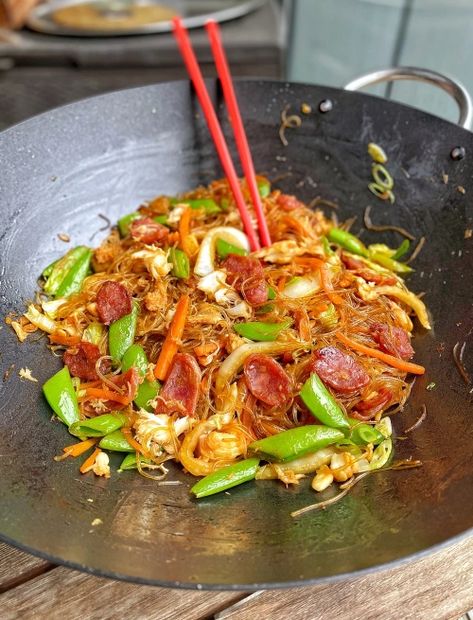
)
(180, 345)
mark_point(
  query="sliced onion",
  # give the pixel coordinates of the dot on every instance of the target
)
(409, 299)
(302, 287)
(205, 262)
(304, 465)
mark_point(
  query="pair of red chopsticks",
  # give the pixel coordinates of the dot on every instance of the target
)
(223, 71)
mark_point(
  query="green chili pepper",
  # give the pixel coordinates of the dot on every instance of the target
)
(161, 219)
(61, 396)
(121, 333)
(364, 433)
(322, 404)
(125, 221)
(129, 462)
(224, 249)
(296, 442)
(135, 356)
(207, 204)
(93, 333)
(116, 442)
(402, 249)
(261, 332)
(389, 263)
(264, 188)
(226, 478)
(347, 241)
(99, 426)
(180, 263)
(67, 274)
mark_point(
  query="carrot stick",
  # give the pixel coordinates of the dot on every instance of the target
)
(89, 463)
(395, 362)
(62, 338)
(173, 338)
(104, 394)
(315, 263)
(133, 443)
(79, 448)
(328, 288)
(187, 243)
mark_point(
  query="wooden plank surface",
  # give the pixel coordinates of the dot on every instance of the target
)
(17, 567)
(63, 593)
(438, 587)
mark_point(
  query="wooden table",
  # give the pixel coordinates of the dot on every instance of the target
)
(438, 587)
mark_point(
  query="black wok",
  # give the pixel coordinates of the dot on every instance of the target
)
(105, 155)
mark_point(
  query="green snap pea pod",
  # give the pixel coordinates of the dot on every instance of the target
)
(99, 426)
(135, 356)
(261, 332)
(322, 404)
(226, 478)
(271, 293)
(121, 333)
(361, 434)
(347, 241)
(224, 249)
(264, 188)
(60, 269)
(125, 221)
(129, 462)
(48, 270)
(161, 219)
(390, 263)
(402, 249)
(116, 442)
(76, 275)
(61, 396)
(207, 204)
(296, 442)
(180, 263)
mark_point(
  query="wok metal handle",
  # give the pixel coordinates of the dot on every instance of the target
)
(454, 88)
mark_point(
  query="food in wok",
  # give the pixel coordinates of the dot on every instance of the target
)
(179, 344)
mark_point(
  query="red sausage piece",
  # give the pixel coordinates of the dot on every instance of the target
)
(146, 230)
(267, 380)
(288, 202)
(393, 340)
(181, 390)
(339, 370)
(247, 273)
(113, 302)
(81, 360)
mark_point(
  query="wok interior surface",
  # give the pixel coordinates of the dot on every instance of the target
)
(105, 155)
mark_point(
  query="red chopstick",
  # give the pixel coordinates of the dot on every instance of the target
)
(213, 30)
(182, 37)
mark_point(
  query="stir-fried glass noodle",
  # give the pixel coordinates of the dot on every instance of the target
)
(179, 344)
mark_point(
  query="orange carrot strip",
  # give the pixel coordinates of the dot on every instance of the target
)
(89, 463)
(281, 283)
(79, 448)
(174, 335)
(133, 443)
(184, 228)
(315, 263)
(90, 384)
(104, 394)
(173, 237)
(415, 369)
(62, 338)
(328, 288)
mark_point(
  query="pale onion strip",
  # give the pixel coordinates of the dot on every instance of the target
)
(304, 465)
(410, 300)
(205, 262)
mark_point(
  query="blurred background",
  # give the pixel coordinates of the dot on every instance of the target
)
(57, 51)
